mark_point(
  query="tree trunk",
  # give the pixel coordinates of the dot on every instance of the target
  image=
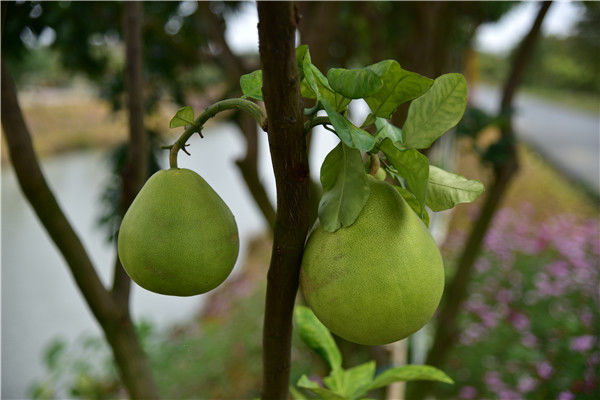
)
(135, 171)
(447, 332)
(281, 92)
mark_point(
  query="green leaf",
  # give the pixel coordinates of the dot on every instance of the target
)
(184, 116)
(251, 84)
(369, 120)
(410, 373)
(302, 54)
(399, 86)
(354, 83)
(437, 111)
(352, 383)
(445, 189)
(314, 387)
(350, 134)
(53, 352)
(296, 395)
(317, 87)
(414, 204)
(412, 166)
(345, 188)
(317, 336)
(386, 130)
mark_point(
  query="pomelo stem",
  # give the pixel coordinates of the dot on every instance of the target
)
(229, 104)
(375, 164)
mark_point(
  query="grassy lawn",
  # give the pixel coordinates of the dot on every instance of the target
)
(63, 120)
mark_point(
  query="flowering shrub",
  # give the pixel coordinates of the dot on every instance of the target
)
(530, 327)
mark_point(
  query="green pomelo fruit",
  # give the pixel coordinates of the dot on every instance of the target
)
(380, 175)
(378, 280)
(178, 237)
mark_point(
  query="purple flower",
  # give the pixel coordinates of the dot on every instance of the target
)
(504, 296)
(582, 343)
(507, 394)
(526, 384)
(587, 318)
(492, 379)
(544, 369)
(467, 392)
(529, 339)
(519, 321)
(482, 265)
(565, 396)
(558, 269)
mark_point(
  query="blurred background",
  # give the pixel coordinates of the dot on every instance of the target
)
(526, 254)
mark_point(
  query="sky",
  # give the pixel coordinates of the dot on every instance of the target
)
(498, 37)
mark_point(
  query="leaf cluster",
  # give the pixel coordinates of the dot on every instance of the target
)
(352, 383)
(436, 107)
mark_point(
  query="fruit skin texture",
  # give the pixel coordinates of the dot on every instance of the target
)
(378, 280)
(178, 236)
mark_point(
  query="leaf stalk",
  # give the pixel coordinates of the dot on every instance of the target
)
(229, 104)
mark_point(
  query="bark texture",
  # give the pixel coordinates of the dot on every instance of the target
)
(456, 291)
(281, 92)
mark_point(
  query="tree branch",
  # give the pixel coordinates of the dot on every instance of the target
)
(522, 57)
(248, 166)
(287, 142)
(38, 193)
(447, 331)
(228, 104)
(135, 170)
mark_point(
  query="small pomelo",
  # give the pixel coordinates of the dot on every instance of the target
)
(378, 280)
(380, 175)
(178, 236)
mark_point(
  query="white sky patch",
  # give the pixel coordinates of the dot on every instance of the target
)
(504, 35)
(242, 32)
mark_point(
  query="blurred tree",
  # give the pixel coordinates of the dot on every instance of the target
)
(505, 163)
(109, 307)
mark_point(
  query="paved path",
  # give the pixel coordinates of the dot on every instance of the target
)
(568, 137)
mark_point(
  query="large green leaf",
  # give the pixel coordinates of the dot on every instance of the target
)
(184, 116)
(399, 86)
(317, 336)
(412, 201)
(437, 111)
(345, 188)
(317, 87)
(323, 393)
(352, 383)
(386, 130)
(354, 83)
(251, 84)
(445, 189)
(350, 134)
(410, 373)
(412, 166)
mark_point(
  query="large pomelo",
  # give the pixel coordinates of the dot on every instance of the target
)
(378, 280)
(178, 236)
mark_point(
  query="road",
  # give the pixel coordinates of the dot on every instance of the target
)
(568, 138)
